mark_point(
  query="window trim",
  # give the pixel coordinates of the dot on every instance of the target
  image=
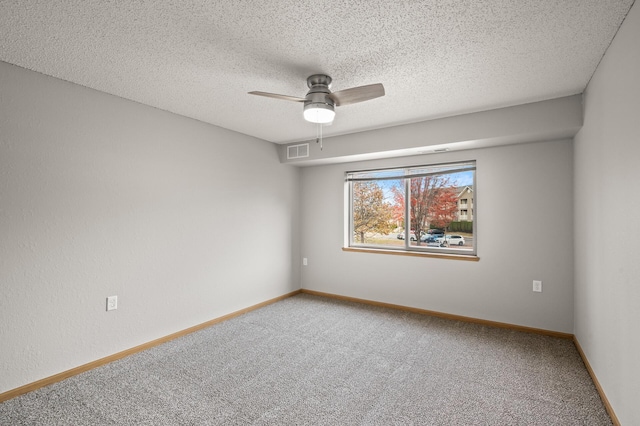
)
(407, 250)
(450, 256)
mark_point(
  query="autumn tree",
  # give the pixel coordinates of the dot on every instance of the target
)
(432, 202)
(445, 209)
(370, 211)
(397, 208)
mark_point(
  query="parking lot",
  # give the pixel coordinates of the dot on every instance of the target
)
(393, 240)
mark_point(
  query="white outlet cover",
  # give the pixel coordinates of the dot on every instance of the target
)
(537, 286)
(112, 303)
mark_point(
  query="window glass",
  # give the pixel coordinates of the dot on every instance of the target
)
(414, 209)
(375, 216)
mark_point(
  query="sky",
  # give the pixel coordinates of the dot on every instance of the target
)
(458, 179)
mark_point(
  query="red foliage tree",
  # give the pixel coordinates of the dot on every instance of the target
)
(433, 201)
(445, 209)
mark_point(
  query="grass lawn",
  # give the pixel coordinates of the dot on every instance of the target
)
(392, 240)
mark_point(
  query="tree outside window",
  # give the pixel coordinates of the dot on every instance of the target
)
(371, 213)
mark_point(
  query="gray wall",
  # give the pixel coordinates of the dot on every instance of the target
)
(524, 229)
(100, 196)
(607, 203)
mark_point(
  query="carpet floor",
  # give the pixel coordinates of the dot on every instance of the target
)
(310, 360)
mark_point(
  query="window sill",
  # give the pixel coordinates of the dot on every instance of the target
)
(449, 256)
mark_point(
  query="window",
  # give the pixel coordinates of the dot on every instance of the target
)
(400, 209)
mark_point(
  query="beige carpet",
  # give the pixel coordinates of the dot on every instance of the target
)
(308, 360)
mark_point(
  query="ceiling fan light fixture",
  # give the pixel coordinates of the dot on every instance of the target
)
(320, 102)
(319, 112)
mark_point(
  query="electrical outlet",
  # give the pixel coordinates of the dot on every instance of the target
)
(304, 261)
(537, 286)
(112, 303)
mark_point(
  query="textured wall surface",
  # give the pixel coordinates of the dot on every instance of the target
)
(607, 175)
(523, 214)
(101, 196)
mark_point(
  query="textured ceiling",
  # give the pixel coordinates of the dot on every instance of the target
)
(435, 58)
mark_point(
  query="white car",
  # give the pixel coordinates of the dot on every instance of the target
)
(451, 240)
(412, 236)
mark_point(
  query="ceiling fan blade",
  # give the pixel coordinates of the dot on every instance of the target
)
(357, 94)
(276, 96)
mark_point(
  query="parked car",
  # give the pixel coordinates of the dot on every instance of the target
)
(435, 231)
(412, 236)
(451, 240)
(429, 238)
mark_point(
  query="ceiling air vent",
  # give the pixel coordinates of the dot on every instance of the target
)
(297, 151)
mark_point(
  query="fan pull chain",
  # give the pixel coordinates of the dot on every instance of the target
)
(319, 132)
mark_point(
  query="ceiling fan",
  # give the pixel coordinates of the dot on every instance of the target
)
(320, 102)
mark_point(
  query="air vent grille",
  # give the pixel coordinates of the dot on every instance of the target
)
(297, 151)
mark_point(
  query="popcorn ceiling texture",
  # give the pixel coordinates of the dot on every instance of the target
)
(199, 59)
